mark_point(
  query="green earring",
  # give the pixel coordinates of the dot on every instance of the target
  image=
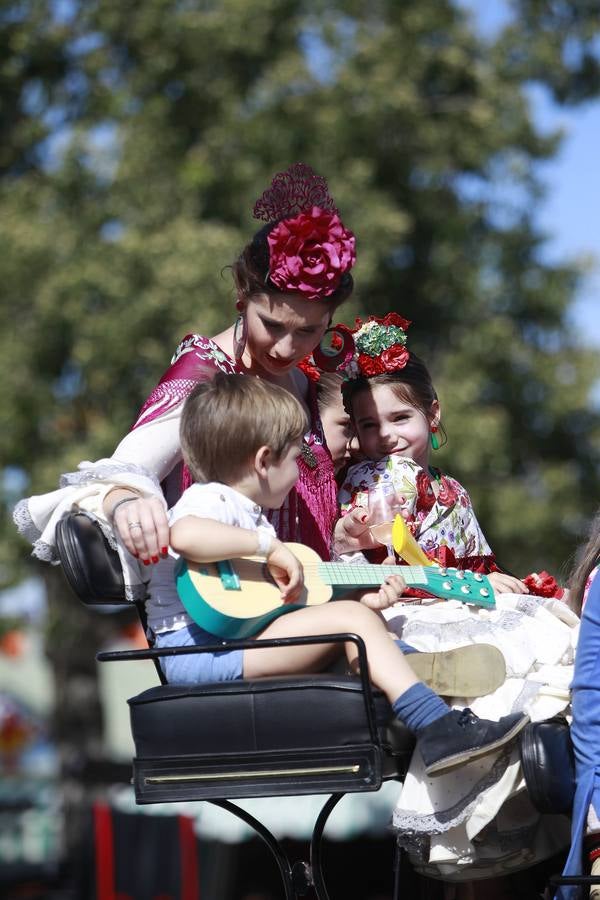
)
(435, 441)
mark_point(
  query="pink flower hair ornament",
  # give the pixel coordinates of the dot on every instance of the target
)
(373, 347)
(310, 250)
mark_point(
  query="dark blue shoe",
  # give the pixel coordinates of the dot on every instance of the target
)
(461, 736)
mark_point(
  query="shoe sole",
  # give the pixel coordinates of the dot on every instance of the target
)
(471, 671)
(458, 759)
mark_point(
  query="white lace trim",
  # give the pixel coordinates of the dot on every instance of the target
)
(24, 522)
(413, 827)
(463, 630)
(103, 472)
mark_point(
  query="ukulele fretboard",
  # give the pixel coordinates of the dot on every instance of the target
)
(367, 575)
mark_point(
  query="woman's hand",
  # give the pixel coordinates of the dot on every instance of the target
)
(506, 584)
(351, 532)
(286, 569)
(142, 525)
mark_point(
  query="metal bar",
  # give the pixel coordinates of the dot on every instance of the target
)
(283, 863)
(316, 863)
(247, 644)
(264, 773)
(397, 870)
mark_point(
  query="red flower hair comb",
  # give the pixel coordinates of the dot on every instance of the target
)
(310, 250)
(373, 347)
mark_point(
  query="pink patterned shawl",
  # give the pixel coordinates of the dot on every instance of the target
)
(310, 509)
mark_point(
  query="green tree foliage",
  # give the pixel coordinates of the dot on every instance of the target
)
(135, 139)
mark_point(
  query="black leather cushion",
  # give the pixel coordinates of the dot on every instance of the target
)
(549, 765)
(91, 566)
(287, 735)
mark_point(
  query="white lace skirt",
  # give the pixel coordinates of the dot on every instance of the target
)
(477, 821)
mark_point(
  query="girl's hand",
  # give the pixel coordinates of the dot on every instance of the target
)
(351, 532)
(142, 525)
(506, 584)
(286, 569)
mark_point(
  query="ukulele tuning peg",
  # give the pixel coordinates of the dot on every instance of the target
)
(478, 576)
(484, 592)
(447, 585)
(460, 575)
(443, 572)
(465, 589)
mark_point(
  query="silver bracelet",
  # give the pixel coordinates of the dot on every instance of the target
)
(266, 540)
(111, 515)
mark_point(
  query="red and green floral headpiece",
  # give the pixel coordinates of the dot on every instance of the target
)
(310, 250)
(373, 347)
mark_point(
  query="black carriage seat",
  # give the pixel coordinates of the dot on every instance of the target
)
(327, 732)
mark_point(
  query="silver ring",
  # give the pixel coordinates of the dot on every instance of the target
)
(134, 525)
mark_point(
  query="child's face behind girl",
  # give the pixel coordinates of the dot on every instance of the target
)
(387, 424)
(339, 431)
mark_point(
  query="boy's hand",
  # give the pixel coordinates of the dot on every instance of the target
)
(390, 592)
(286, 570)
(506, 584)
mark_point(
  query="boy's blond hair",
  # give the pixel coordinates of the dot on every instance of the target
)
(226, 420)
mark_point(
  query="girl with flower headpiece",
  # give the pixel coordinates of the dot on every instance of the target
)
(389, 395)
(450, 826)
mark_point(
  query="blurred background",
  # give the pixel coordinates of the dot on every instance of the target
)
(459, 140)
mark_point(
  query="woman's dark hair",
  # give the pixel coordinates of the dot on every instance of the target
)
(586, 559)
(412, 384)
(251, 271)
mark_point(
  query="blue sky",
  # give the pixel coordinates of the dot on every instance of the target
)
(569, 213)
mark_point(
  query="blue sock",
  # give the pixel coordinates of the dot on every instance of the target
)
(406, 648)
(419, 706)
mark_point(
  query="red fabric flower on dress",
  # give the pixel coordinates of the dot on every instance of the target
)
(542, 584)
(307, 366)
(425, 495)
(447, 494)
(310, 253)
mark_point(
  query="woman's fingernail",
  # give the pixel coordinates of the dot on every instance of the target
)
(164, 550)
(146, 562)
(155, 559)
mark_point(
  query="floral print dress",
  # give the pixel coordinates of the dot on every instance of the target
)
(436, 507)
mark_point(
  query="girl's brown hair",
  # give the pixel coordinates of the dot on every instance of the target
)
(226, 420)
(586, 559)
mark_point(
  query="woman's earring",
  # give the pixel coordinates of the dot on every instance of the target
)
(240, 334)
(435, 441)
(335, 350)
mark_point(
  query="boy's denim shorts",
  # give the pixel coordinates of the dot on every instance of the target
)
(226, 665)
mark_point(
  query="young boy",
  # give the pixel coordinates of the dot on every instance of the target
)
(241, 438)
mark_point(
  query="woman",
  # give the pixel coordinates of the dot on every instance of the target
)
(289, 280)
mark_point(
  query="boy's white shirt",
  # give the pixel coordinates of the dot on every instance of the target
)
(206, 501)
